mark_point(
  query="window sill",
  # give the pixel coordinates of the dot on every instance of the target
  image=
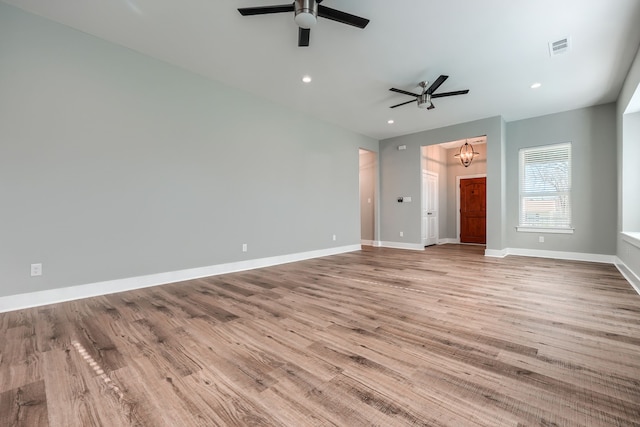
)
(631, 237)
(545, 230)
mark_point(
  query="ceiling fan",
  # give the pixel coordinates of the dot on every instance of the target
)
(306, 14)
(424, 99)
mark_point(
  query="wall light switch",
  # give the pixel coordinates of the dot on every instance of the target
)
(402, 234)
(407, 198)
(244, 247)
(541, 239)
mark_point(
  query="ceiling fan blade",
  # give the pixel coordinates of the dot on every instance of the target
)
(303, 37)
(342, 17)
(404, 103)
(393, 89)
(443, 94)
(436, 84)
(264, 10)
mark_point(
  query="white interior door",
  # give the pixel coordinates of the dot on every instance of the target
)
(429, 208)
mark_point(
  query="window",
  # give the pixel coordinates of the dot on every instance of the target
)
(545, 189)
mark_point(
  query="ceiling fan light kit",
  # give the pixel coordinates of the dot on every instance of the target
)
(306, 13)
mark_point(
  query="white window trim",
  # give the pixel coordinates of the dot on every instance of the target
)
(531, 228)
(545, 230)
(631, 237)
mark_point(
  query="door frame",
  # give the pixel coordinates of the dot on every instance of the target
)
(375, 202)
(458, 178)
(423, 202)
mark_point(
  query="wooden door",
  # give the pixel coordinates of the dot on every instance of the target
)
(473, 210)
(429, 208)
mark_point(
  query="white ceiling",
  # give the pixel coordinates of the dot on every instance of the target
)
(494, 48)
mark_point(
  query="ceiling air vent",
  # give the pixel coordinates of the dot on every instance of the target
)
(559, 46)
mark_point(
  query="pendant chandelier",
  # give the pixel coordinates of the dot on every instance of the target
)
(466, 154)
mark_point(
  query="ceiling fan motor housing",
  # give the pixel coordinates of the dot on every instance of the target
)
(424, 101)
(306, 13)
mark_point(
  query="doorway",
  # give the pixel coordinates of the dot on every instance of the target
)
(441, 160)
(430, 223)
(472, 209)
(368, 166)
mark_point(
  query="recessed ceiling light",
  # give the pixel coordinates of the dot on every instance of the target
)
(306, 79)
(536, 85)
(390, 121)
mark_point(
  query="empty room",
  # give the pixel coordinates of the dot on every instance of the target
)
(319, 213)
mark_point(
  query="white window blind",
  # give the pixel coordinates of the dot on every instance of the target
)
(545, 187)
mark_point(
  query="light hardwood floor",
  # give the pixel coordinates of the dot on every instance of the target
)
(445, 337)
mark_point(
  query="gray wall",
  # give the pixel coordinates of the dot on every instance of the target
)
(592, 132)
(627, 252)
(114, 165)
(400, 175)
(594, 202)
(368, 173)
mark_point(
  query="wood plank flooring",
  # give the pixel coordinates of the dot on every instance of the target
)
(445, 337)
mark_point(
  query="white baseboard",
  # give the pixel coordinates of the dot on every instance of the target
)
(570, 256)
(366, 242)
(537, 253)
(52, 296)
(402, 245)
(628, 274)
(448, 241)
(495, 253)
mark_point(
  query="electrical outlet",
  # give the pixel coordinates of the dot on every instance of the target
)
(402, 234)
(244, 247)
(334, 237)
(36, 269)
(541, 239)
